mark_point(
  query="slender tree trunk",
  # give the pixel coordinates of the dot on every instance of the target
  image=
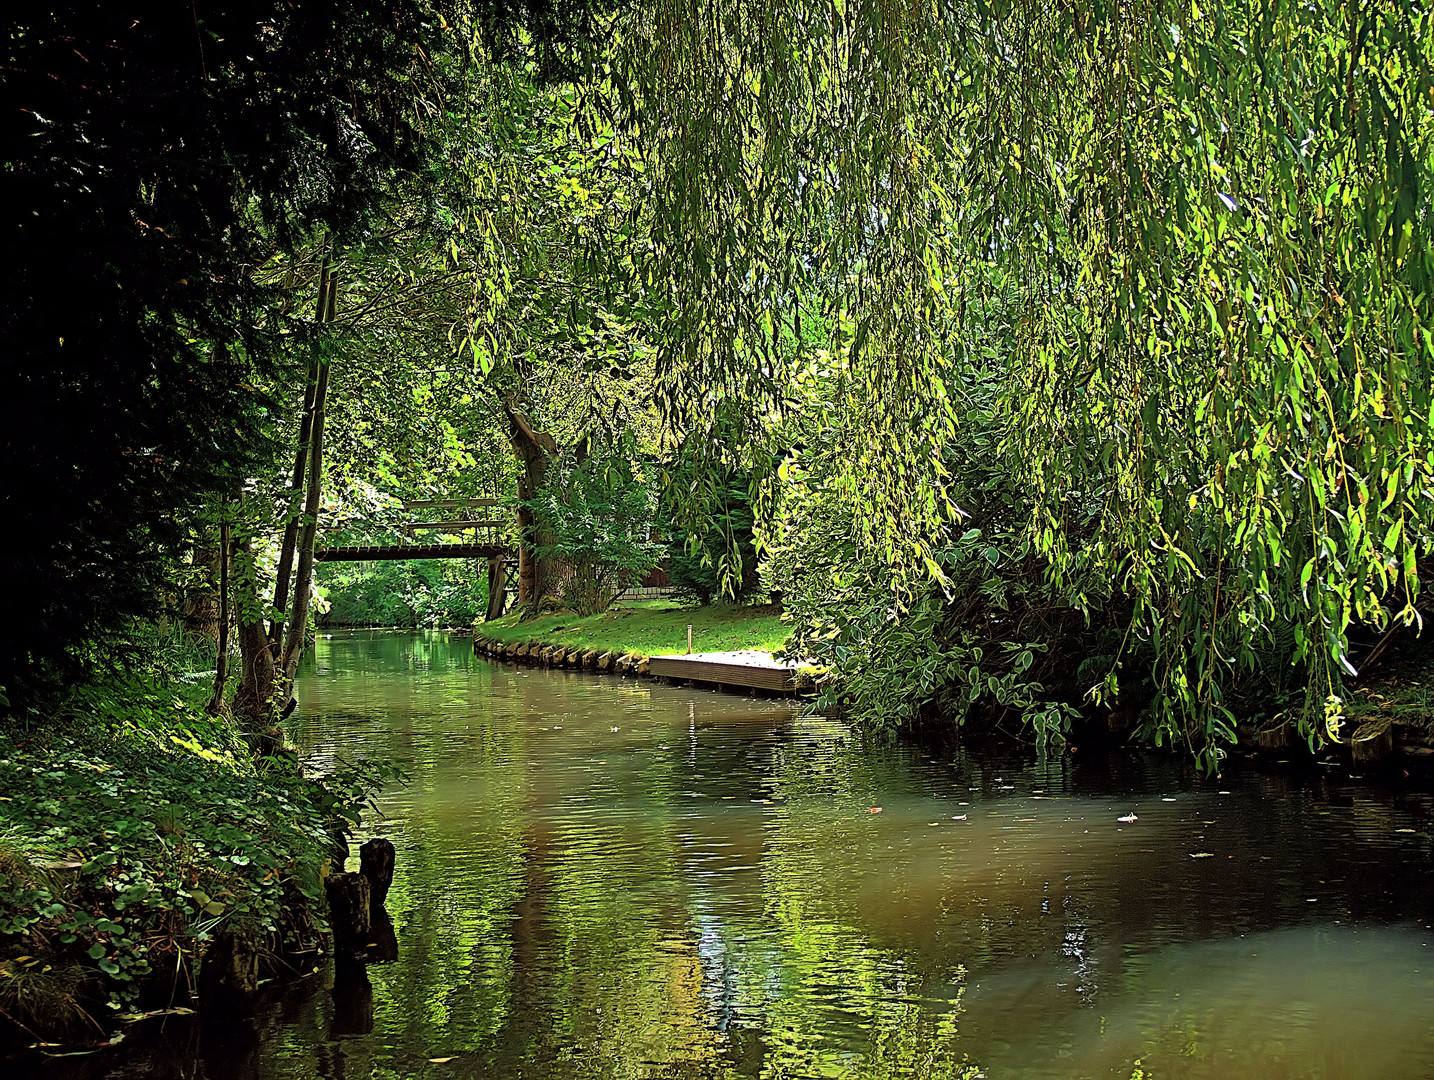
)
(304, 575)
(534, 451)
(221, 666)
(296, 483)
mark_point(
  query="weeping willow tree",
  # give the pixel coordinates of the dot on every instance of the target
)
(1211, 225)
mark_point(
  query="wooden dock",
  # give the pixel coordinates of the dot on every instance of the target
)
(747, 669)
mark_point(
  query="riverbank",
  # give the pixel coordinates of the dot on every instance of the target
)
(147, 861)
(648, 628)
(730, 648)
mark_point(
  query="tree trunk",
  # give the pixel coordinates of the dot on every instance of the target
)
(229, 972)
(296, 483)
(221, 665)
(534, 451)
(256, 700)
(376, 859)
(200, 614)
(304, 575)
(497, 587)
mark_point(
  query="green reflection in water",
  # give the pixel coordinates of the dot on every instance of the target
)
(609, 878)
(585, 866)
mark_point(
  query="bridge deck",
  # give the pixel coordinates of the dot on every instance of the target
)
(410, 551)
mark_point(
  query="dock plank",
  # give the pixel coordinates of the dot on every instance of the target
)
(755, 670)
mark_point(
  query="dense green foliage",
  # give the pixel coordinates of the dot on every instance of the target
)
(1070, 359)
(128, 843)
(711, 553)
(421, 593)
(152, 160)
(1209, 233)
(597, 517)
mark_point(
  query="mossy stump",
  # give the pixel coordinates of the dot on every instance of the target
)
(1276, 739)
(350, 901)
(229, 972)
(1372, 749)
(376, 859)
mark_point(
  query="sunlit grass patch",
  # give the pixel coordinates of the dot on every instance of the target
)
(652, 628)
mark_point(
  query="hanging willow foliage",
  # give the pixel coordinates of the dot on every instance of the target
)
(1216, 222)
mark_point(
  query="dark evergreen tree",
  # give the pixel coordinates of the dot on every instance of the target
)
(154, 158)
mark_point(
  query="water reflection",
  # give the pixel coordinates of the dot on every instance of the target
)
(608, 878)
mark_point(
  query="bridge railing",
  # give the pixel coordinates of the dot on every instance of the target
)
(490, 530)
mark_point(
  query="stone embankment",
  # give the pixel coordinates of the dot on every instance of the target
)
(562, 656)
(746, 671)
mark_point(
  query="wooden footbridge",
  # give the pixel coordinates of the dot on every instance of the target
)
(366, 552)
(489, 540)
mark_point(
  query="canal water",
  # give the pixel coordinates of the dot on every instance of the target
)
(607, 878)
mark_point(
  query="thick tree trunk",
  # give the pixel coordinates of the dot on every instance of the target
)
(255, 703)
(497, 587)
(350, 901)
(200, 615)
(376, 859)
(534, 451)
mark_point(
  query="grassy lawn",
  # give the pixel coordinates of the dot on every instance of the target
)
(651, 628)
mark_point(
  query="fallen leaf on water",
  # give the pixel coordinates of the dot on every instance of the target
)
(439, 1061)
(1403, 830)
(1202, 854)
(933, 823)
(874, 810)
(958, 817)
(1128, 818)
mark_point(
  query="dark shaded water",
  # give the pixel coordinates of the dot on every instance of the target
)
(608, 878)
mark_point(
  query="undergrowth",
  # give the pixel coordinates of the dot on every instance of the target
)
(133, 829)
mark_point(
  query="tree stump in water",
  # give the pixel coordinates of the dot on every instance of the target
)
(1276, 739)
(349, 903)
(1119, 721)
(229, 972)
(376, 860)
(1373, 749)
